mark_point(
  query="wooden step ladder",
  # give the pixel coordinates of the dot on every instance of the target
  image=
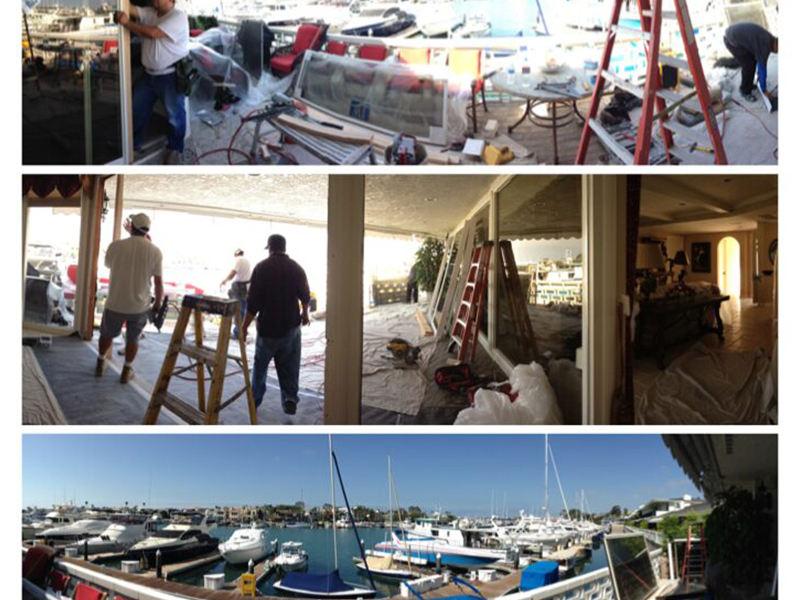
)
(517, 301)
(653, 96)
(694, 559)
(213, 359)
(467, 325)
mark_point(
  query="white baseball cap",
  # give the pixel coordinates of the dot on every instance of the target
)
(141, 222)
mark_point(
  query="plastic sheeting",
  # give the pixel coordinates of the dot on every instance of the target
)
(389, 96)
(217, 55)
(535, 405)
(706, 386)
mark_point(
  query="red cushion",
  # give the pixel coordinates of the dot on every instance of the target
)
(58, 582)
(86, 592)
(372, 53)
(337, 48)
(306, 35)
(283, 64)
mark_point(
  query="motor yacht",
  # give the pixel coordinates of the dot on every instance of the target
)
(292, 557)
(177, 541)
(118, 537)
(78, 530)
(251, 543)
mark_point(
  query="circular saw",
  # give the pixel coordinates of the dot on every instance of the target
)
(403, 353)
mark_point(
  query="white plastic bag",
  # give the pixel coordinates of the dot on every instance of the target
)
(535, 405)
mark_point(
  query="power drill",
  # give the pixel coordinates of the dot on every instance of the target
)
(159, 315)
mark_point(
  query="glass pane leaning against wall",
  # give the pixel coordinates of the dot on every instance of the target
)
(71, 108)
(540, 280)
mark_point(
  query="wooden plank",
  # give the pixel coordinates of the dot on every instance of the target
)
(338, 135)
(437, 289)
(458, 278)
(424, 326)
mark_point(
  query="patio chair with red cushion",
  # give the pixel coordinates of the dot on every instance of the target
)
(372, 52)
(411, 56)
(285, 59)
(87, 592)
(467, 63)
(58, 582)
(336, 48)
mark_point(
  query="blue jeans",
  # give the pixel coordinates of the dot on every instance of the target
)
(286, 352)
(243, 304)
(149, 88)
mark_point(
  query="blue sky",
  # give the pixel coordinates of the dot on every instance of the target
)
(460, 473)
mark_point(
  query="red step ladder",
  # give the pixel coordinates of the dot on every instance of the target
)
(694, 559)
(467, 324)
(652, 95)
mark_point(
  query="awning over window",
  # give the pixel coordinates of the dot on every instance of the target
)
(66, 186)
(541, 208)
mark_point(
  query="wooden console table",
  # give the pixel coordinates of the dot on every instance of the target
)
(658, 317)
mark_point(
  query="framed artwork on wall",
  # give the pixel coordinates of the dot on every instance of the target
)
(701, 257)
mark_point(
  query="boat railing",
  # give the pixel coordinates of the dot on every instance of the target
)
(106, 582)
(596, 585)
(286, 34)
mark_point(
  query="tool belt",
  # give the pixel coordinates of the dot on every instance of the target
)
(187, 77)
(238, 290)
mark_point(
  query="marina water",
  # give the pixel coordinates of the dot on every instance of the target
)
(319, 545)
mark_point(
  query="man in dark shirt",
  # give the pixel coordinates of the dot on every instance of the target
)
(751, 45)
(278, 286)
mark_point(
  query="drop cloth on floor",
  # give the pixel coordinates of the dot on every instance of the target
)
(707, 386)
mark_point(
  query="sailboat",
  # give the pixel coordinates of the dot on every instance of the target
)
(384, 564)
(326, 585)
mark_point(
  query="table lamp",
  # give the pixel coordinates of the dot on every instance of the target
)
(649, 258)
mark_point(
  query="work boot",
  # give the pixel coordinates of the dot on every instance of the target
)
(127, 374)
(173, 157)
(99, 367)
(290, 406)
(749, 97)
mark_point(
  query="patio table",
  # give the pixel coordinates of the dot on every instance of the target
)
(558, 91)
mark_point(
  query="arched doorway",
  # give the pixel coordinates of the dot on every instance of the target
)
(729, 270)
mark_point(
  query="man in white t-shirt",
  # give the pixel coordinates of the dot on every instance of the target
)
(240, 274)
(133, 262)
(164, 31)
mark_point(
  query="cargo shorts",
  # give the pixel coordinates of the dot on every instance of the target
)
(111, 325)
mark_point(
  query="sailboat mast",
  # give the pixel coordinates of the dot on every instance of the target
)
(391, 512)
(546, 469)
(333, 503)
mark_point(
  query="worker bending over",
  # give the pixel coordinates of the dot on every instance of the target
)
(132, 262)
(240, 274)
(751, 45)
(278, 287)
(165, 41)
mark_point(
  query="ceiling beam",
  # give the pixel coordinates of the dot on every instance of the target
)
(674, 190)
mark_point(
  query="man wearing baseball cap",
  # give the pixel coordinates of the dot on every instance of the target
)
(240, 274)
(133, 262)
(278, 287)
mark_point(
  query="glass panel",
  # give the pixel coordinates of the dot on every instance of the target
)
(71, 109)
(383, 95)
(632, 568)
(540, 230)
(52, 266)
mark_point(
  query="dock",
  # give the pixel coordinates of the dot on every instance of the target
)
(263, 570)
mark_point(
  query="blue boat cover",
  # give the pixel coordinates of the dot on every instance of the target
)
(318, 584)
(539, 574)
